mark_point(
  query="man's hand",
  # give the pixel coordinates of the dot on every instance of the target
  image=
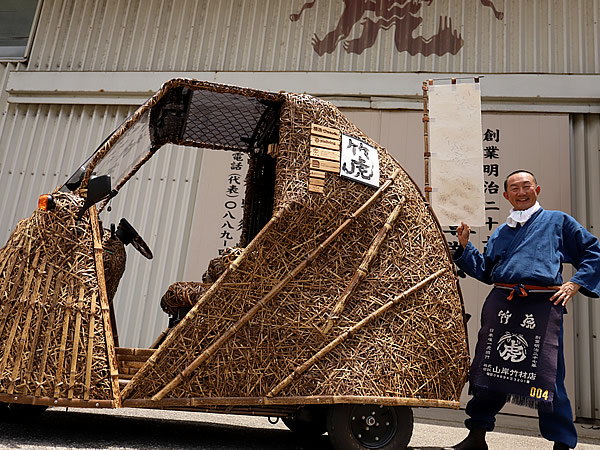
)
(463, 231)
(565, 293)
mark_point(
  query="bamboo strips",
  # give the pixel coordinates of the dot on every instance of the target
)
(4, 287)
(90, 350)
(22, 304)
(105, 308)
(341, 338)
(63, 342)
(59, 402)
(42, 370)
(160, 338)
(195, 402)
(216, 285)
(211, 349)
(76, 338)
(22, 344)
(38, 325)
(364, 267)
(267, 308)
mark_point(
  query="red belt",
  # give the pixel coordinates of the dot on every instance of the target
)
(523, 289)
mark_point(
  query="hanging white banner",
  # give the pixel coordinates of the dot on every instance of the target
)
(456, 154)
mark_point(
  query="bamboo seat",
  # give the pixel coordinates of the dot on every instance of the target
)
(182, 295)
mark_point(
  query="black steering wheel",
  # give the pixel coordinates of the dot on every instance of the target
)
(127, 235)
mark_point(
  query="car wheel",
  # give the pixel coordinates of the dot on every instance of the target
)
(359, 427)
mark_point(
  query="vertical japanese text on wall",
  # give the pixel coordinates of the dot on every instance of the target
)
(233, 206)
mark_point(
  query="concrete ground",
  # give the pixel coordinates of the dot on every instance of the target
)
(127, 428)
(437, 428)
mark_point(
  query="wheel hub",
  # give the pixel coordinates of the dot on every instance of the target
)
(373, 427)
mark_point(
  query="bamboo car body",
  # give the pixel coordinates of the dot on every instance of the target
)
(339, 292)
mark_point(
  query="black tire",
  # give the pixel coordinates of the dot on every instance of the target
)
(309, 421)
(16, 412)
(359, 427)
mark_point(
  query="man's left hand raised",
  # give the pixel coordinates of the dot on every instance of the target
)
(565, 293)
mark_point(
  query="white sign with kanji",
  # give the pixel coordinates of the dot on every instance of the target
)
(359, 161)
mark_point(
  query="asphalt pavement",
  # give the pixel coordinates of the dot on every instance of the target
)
(128, 428)
(437, 428)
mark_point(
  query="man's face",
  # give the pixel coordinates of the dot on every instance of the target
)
(521, 191)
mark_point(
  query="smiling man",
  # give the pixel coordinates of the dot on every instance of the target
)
(519, 353)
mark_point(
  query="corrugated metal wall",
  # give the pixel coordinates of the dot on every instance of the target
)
(542, 36)
(5, 70)
(585, 145)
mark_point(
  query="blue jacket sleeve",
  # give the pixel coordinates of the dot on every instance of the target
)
(473, 263)
(582, 250)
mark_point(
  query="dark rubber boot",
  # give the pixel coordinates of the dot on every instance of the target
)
(560, 446)
(474, 441)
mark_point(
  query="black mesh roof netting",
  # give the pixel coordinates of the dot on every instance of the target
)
(223, 120)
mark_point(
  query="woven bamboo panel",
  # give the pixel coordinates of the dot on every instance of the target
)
(182, 295)
(52, 340)
(341, 294)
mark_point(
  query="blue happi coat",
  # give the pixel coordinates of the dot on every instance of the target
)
(534, 254)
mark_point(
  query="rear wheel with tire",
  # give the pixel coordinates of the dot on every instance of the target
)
(359, 427)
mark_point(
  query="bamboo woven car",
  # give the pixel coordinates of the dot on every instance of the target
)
(341, 296)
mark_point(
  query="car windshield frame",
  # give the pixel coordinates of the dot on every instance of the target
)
(184, 112)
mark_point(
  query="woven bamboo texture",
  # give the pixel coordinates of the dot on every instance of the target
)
(53, 344)
(183, 294)
(342, 295)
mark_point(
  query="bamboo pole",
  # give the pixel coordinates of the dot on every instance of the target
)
(38, 324)
(76, 339)
(105, 308)
(252, 245)
(232, 402)
(51, 401)
(53, 307)
(353, 329)
(160, 338)
(90, 349)
(22, 344)
(63, 342)
(16, 280)
(211, 349)
(364, 267)
(427, 153)
(22, 303)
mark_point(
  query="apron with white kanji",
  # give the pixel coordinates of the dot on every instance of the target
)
(517, 348)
